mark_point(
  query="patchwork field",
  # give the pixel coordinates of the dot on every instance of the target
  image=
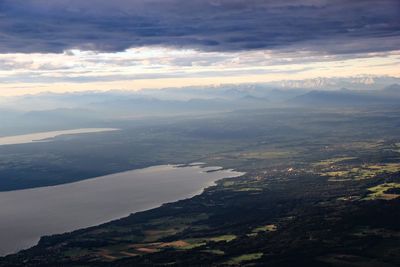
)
(319, 195)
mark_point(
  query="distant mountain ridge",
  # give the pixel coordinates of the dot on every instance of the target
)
(46, 110)
(363, 82)
(392, 89)
(388, 95)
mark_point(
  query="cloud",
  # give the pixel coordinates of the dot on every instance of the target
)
(148, 63)
(324, 26)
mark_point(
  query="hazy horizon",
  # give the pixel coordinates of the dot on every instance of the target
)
(132, 45)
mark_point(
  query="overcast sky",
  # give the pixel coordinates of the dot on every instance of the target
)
(69, 45)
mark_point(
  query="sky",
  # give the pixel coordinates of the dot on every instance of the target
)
(75, 45)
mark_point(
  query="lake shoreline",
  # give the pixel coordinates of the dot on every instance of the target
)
(48, 136)
(203, 169)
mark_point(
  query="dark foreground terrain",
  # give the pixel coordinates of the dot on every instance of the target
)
(321, 188)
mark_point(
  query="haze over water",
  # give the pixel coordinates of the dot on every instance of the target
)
(47, 136)
(26, 215)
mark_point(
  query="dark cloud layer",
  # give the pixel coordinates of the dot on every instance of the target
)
(327, 26)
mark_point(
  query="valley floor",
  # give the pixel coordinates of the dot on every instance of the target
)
(328, 201)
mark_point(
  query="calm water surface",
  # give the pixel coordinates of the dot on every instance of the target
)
(26, 215)
(47, 136)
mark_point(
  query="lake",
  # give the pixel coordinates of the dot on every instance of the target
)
(28, 214)
(47, 136)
